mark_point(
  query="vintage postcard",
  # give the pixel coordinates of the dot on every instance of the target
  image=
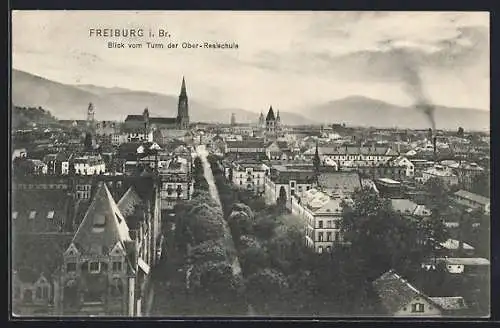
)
(250, 164)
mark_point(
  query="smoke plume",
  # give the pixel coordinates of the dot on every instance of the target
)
(409, 70)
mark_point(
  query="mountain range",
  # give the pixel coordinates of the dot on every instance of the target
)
(67, 101)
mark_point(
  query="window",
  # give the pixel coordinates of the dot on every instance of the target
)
(417, 307)
(94, 267)
(32, 215)
(71, 267)
(329, 224)
(42, 292)
(300, 188)
(320, 236)
(292, 184)
(117, 266)
(320, 224)
(337, 236)
(320, 249)
(329, 236)
(328, 249)
(334, 225)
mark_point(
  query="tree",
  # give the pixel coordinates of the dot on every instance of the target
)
(215, 280)
(241, 222)
(253, 255)
(380, 238)
(88, 141)
(282, 198)
(210, 250)
(481, 184)
(460, 132)
(266, 288)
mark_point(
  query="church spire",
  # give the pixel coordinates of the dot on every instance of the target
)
(183, 87)
(316, 162)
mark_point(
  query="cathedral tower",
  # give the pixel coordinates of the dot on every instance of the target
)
(183, 109)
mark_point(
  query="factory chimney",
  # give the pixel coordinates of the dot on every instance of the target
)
(434, 145)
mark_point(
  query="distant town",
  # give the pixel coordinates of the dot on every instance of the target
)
(165, 217)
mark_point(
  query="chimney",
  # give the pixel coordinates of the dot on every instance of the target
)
(434, 145)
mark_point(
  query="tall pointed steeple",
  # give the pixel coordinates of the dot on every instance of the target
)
(316, 162)
(270, 114)
(183, 87)
(183, 107)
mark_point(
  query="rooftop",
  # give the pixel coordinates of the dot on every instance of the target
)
(473, 197)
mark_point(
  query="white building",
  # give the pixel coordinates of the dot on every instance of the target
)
(250, 176)
(403, 161)
(441, 172)
(89, 165)
(473, 201)
(322, 215)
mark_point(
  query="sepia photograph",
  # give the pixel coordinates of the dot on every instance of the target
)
(255, 164)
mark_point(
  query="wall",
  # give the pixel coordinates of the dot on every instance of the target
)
(430, 310)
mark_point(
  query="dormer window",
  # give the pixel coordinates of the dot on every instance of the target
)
(99, 223)
(32, 215)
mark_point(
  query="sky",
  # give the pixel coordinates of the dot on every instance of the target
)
(291, 60)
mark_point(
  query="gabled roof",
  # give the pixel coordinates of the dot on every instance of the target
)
(345, 181)
(128, 202)
(473, 197)
(134, 118)
(395, 292)
(103, 225)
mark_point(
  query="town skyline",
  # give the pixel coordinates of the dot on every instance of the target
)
(293, 68)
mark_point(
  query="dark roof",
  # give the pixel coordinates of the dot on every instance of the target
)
(300, 176)
(395, 292)
(34, 254)
(39, 210)
(246, 144)
(270, 115)
(128, 202)
(163, 120)
(134, 118)
(103, 225)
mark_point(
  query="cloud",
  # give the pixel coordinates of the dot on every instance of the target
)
(288, 58)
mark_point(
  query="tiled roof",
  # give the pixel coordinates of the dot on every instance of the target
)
(103, 225)
(128, 202)
(33, 254)
(39, 210)
(346, 181)
(246, 144)
(450, 303)
(350, 150)
(394, 291)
